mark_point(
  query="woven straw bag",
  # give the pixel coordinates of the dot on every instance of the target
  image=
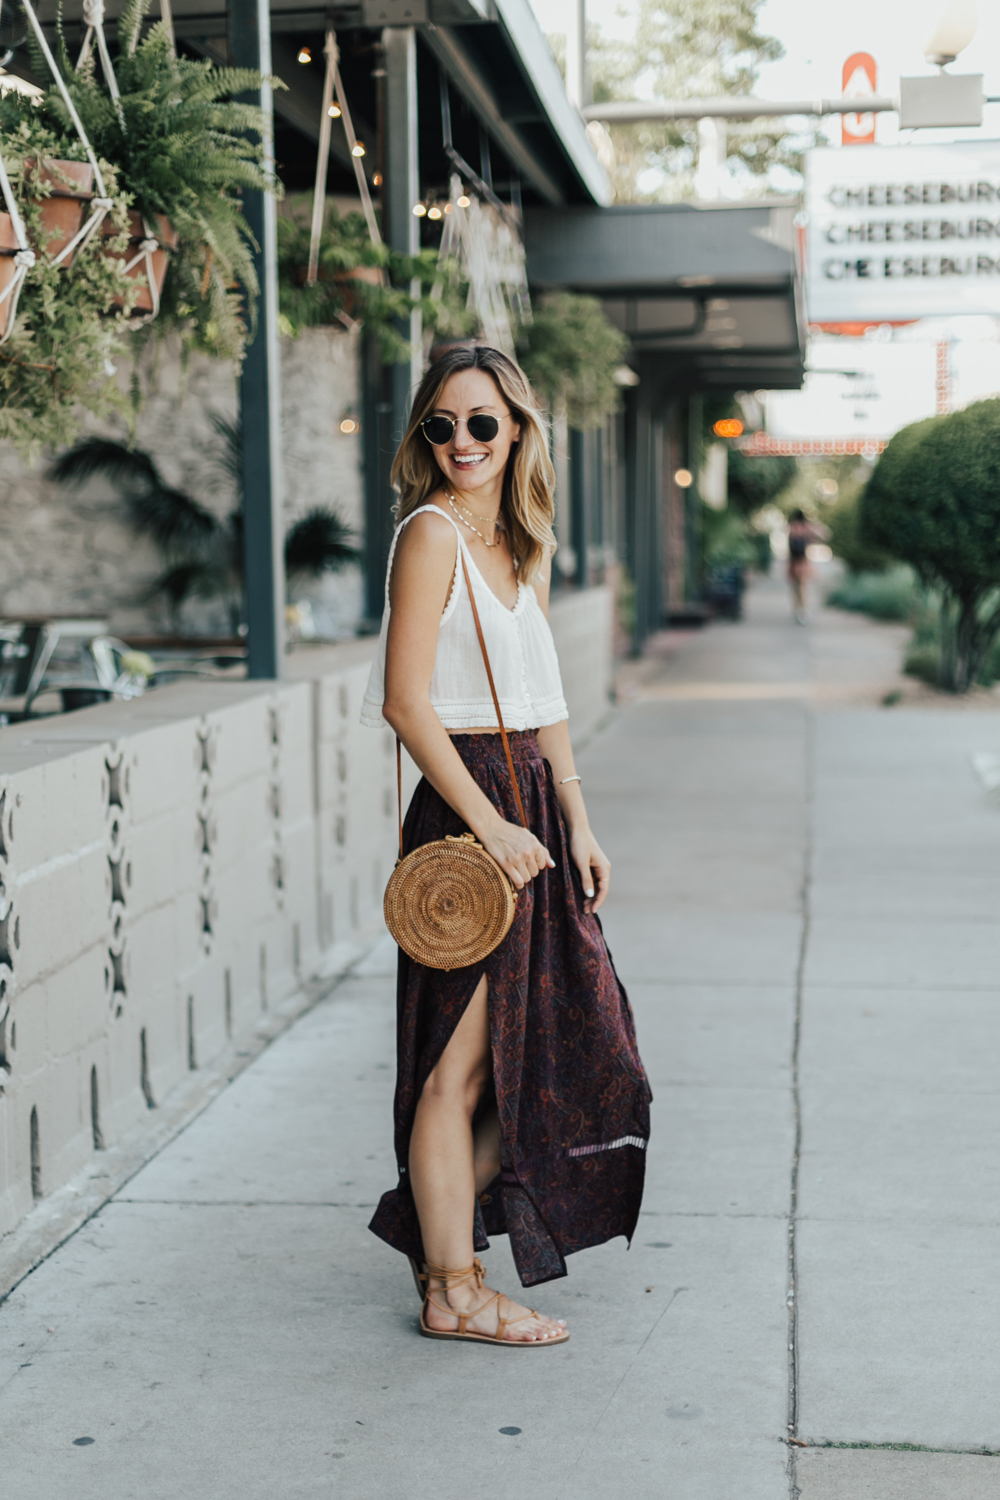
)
(448, 904)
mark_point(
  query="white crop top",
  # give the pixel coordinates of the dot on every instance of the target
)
(519, 642)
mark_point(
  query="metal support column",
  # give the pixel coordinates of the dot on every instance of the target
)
(260, 384)
(386, 390)
(696, 408)
(578, 507)
(402, 186)
(378, 449)
(644, 504)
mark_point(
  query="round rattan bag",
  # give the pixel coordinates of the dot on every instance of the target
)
(448, 904)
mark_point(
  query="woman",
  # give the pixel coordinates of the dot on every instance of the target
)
(801, 534)
(521, 1102)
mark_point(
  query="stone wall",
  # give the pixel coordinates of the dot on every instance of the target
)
(173, 867)
(65, 552)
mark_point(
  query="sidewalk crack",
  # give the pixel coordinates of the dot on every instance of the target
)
(607, 1405)
(814, 1444)
(793, 1187)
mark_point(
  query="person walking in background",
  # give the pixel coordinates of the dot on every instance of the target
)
(522, 1106)
(801, 534)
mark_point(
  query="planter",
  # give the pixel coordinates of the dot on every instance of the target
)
(70, 185)
(162, 230)
(343, 279)
(8, 249)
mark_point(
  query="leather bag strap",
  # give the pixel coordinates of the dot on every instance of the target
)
(493, 691)
(496, 705)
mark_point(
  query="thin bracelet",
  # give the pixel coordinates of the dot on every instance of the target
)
(570, 778)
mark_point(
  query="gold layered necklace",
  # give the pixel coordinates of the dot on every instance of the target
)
(493, 521)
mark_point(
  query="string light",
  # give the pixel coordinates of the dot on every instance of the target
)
(305, 55)
(728, 427)
(419, 210)
(348, 425)
(334, 110)
(434, 213)
(358, 149)
(447, 208)
(683, 478)
(377, 179)
(464, 202)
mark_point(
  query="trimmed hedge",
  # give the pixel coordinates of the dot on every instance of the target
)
(934, 502)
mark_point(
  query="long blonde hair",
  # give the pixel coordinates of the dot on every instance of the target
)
(526, 505)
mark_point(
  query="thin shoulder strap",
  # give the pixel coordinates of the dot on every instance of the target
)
(399, 532)
(496, 705)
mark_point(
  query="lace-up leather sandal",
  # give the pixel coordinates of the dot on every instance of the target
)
(476, 1272)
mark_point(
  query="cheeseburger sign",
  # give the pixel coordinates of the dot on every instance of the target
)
(900, 232)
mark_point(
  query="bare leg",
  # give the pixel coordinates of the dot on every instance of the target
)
(445, 1162)
(486, 1149)
(798, 594)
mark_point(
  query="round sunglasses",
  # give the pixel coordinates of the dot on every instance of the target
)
(482, 428)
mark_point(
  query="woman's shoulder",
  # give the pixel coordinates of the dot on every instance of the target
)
(429, 532)
(430, 519)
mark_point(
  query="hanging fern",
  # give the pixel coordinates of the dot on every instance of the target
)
(187, 148)
(60, 357)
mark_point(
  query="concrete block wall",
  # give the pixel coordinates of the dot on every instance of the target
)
(172, 867)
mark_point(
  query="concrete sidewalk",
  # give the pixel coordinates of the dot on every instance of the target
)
(807, 916)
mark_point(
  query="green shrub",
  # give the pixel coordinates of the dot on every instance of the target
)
(890, 595)
(923, 660)
(850, 542)
(724, 539)
(923, 657)
(753, 482)
(934, 502)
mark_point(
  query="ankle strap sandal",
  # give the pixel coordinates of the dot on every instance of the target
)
(475, 1273)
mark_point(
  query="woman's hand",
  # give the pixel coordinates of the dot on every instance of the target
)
(593, 865)
(517, 852)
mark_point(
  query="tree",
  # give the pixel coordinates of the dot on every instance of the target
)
(934, 502)
(849, 539)
(682, 49)
(570, 351)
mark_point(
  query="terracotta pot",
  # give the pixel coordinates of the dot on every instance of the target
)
(167, 235)
(8, 249)
(71, 186)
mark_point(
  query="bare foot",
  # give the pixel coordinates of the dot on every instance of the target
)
(524, 1325)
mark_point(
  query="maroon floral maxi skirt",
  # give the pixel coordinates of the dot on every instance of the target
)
(571, 1091)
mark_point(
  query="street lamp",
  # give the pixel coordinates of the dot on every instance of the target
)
(953, 32)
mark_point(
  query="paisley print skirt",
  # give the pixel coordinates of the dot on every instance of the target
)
(571, 1092)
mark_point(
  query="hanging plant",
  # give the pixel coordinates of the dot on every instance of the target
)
(186, 149)
(59, 357)
(365, 284)
(570, 352)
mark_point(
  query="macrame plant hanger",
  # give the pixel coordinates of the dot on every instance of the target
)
(93, 15)
(100, 204)
(332, 84)
(24, 257)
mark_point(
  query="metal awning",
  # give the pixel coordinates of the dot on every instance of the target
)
(492, 51)
(705, 293)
